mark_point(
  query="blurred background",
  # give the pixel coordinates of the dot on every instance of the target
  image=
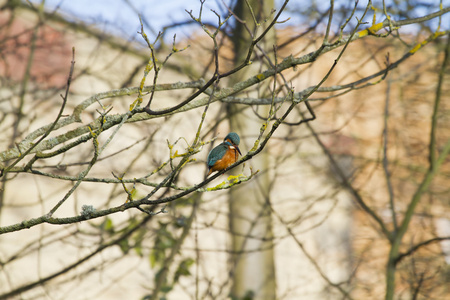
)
(344, 126)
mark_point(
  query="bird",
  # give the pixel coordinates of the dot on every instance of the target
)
(224, 154)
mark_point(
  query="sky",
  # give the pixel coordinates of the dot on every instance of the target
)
(121, 16)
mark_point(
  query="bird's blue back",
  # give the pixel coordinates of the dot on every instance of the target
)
(216, 154)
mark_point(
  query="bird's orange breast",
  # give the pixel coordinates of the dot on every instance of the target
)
(229, 158)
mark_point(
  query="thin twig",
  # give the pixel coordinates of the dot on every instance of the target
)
(387, 174)
(50, 129)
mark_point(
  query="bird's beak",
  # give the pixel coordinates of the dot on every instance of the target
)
(238, 150)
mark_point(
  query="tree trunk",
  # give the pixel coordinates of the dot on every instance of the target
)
(252, 263)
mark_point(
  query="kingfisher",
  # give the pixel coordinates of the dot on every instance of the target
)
(224, 154)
